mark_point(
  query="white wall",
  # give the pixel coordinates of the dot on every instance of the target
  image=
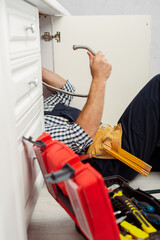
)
(129, 55)
(124, 7)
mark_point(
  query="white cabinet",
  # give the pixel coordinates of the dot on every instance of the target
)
(27, 84)
(30, 125)
(27, 101)
(21, 112)
(23, 22)
(25, 63)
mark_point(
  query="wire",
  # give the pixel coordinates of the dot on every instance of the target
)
(65, 92)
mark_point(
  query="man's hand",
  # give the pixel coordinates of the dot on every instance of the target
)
(100, 67)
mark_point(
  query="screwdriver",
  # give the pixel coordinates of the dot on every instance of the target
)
(87, 156)
(126, 235)
(145, 225)
(152, 217)
(133, 230)
(143, 205)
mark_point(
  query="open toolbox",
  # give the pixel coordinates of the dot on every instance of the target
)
(86, 196)
(134, 203)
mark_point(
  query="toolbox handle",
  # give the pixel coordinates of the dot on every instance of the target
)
(66, 172)
(154, 191)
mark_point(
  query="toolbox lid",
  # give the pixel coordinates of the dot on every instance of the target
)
(83, 195)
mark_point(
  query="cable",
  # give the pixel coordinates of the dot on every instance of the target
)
(65, 92)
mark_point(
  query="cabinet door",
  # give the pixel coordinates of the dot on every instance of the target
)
(31, 124)
(23, 29)
(125, 40)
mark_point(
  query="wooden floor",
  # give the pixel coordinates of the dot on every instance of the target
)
(51, 222)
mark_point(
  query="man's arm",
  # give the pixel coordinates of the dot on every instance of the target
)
(57, 81)
(52, 79)
(91, 115)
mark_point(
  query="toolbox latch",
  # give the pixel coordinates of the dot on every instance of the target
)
(38, 143)
(66, 172)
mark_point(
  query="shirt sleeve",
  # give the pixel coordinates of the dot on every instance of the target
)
(69, 133)
(58, 97)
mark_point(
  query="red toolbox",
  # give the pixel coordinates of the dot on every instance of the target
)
(78, 188)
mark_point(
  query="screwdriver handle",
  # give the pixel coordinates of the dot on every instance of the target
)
(85, 156)
(143, 205)
(152, 217)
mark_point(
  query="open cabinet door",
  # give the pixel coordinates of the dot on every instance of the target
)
(125, 40)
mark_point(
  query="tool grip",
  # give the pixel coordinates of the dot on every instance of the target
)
(153, 218)
(143, 205)
(145, 225)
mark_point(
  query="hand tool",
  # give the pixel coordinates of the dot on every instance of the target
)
(143, 205)
(113, 187)
(125, 234)
(127, 158)
(117, 212)
(152, 217)
(145, 225)
(121, 219)
(133, 230)
(87, 156)
(125, 237)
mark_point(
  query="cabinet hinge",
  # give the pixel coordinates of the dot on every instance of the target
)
(48, 37)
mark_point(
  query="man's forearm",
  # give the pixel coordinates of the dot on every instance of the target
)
(91, 115)
(52, 79)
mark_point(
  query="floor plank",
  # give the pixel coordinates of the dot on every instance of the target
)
(50, 221)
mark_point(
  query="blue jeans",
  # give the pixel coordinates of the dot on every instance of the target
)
(141, 132)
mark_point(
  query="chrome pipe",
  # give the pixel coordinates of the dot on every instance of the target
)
(75, 47)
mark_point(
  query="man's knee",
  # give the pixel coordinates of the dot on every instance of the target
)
(152, 88)
(156, 79)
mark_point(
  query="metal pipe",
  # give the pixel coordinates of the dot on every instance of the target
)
(75, 47)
